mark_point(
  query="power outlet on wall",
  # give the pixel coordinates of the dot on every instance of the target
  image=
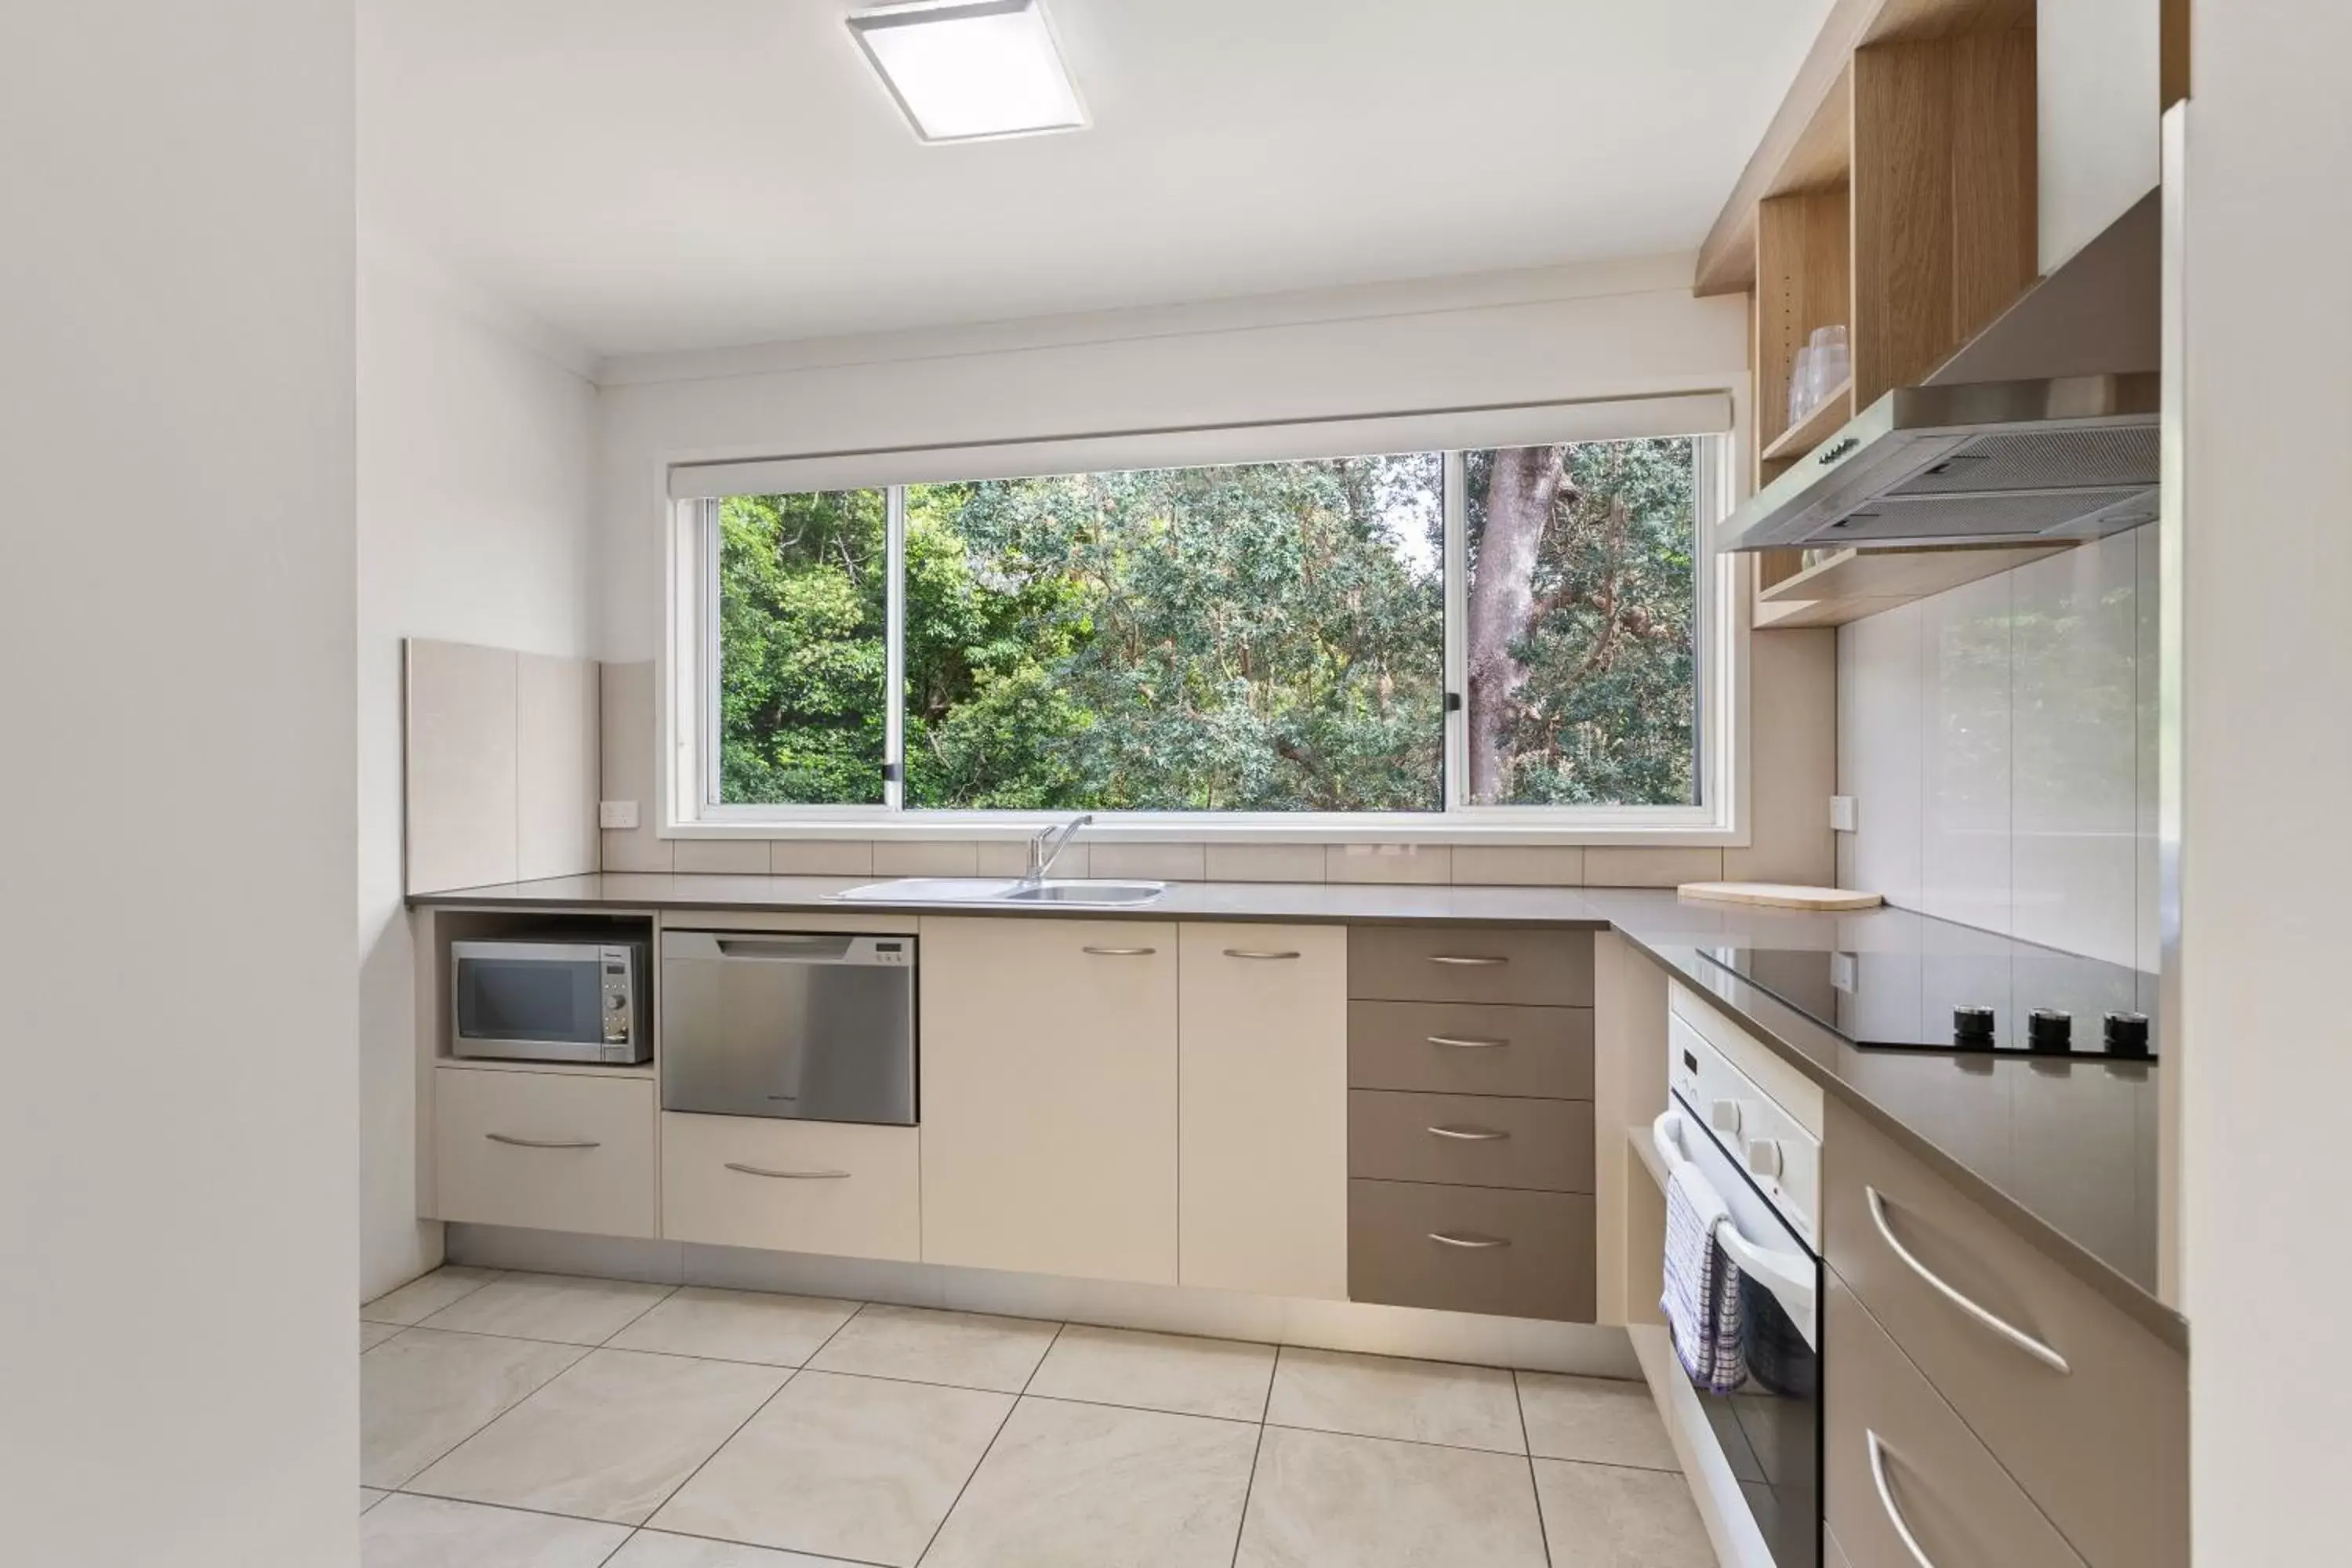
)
(1842, 813)
(617, 814)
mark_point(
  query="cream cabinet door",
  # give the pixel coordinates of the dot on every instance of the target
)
(1264, 1142)
(1049, 1074)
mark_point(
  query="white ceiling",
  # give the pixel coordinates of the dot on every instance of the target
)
(654, 175)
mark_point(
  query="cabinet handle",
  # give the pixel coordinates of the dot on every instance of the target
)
(1886, 1500)
(2001, 1326)
(1464, 1043)
(1257, 952)
(1121, 952)
(1468, 960)
(789, 1175)
(543, 1143)
(1471, 1240)
(1469, 1134)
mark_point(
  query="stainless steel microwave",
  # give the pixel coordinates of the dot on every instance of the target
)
(550, 1001)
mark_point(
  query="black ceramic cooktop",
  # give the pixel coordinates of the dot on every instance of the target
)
(2026, 1001)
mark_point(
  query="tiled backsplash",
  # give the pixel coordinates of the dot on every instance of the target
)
(628, 753)
(1999, 742)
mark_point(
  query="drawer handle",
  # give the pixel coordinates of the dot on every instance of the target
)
(1469, 1239)
(1465, 1043)
(1258, 952)
(1468, 1135)
(1121, 952)
(543, 1143)
(789, 1175)
(2006, 1329)
(1887, 1500)
(1468, 960)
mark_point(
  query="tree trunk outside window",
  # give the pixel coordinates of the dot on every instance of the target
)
(1521, 493)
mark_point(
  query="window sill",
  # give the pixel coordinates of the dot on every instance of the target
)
(1627, 833)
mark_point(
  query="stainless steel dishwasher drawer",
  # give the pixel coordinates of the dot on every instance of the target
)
(817, 1026)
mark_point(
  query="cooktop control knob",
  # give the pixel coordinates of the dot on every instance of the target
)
(1763, 1157)
(1972, 1028)
(2050, 1031)
(2126, 1034)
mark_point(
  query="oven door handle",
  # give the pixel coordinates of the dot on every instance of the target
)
(1793, 1277)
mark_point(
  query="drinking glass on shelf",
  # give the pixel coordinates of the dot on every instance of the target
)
(1830, 363)
(1800, 386)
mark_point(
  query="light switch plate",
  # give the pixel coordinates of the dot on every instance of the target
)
(1842, 814)
(617, 814)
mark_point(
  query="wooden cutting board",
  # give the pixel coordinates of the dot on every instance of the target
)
(1780, 895)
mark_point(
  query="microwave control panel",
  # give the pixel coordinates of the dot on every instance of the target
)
(620, 1003)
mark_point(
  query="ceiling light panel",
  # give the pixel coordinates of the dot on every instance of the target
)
(967, 68)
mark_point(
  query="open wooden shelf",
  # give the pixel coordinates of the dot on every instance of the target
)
(1820, 424)
(1852, 584)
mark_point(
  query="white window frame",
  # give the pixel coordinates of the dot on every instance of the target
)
(688, 806)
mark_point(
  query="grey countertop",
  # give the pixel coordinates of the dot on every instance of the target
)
(2065, 1151)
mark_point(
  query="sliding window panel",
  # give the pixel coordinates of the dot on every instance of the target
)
(803, 649)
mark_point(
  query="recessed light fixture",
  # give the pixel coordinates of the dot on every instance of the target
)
(968, 69)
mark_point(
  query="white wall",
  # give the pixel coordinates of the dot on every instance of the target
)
(1998, 741)
(2267, 724)
(476, 436)
(177, 1382)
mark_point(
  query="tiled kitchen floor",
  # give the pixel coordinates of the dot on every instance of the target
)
(536, 1421)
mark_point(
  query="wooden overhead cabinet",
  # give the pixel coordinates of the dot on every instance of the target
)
(1896, 195)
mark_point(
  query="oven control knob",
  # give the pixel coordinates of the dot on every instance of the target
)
(1724, 1114)
(1763, 1157)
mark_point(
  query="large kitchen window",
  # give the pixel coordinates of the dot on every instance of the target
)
(1449, 635)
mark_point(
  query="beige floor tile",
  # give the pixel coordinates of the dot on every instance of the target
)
(1158, 1371)
(551, 1306)
(610, 1440)
(1077, 1486)
(426, 1392)
(843, 1466)
(375, 1334)
(1385, 1396)
(966, 1349)
(1319, 1499)
(369, 1497)
(1605, 1421)
(426, 1295)
(1602, 1516)
(737, 1325)
(427, 1533)
(652, 1549)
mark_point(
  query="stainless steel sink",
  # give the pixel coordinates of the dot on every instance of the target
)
(1076, 891)
(1085, 891)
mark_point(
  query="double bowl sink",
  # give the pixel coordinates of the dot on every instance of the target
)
(1079, 892)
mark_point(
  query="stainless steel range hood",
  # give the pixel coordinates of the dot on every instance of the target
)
(2043, 427)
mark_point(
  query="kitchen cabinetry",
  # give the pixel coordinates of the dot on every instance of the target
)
(547, 1151)
(1263, 1022)
(1477, 1201)
(1049, 1096)
(2085, 1408)
(832, 1187)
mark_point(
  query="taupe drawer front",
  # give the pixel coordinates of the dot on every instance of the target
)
(1470, 963)
(1882, 1422)
(1833, 1554)
(2103, 1444)
(1471, 1048)
(1471, 1140)
(1518, 1255)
